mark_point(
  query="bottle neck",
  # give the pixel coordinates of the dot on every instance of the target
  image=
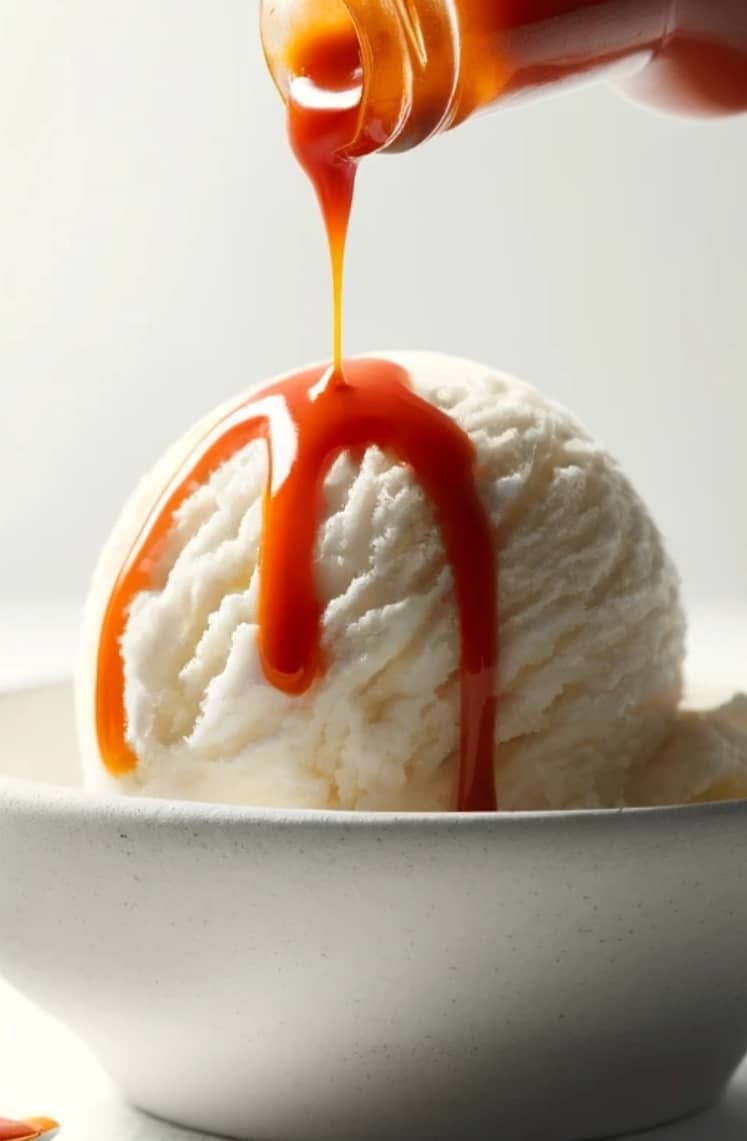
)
(426, 65)
(411, 52)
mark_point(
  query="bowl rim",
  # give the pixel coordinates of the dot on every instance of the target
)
(44, 798)
(35, 797)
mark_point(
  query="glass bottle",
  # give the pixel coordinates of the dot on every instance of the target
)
(424, 66)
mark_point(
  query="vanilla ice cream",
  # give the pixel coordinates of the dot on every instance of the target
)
(591, 632)
(704, 758)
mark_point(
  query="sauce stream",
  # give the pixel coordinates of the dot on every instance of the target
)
(323, 110)
(307, 421)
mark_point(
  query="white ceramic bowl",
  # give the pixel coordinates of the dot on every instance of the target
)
(297, 976)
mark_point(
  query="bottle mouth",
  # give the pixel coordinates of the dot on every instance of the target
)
(316, 58)
(399, 60)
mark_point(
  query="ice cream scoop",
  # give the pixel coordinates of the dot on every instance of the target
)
(591, 630)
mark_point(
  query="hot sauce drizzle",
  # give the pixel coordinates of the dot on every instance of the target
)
(318, 421)
(306, 421)
(323, 111)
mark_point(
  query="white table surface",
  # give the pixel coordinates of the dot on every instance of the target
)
(45, 1070)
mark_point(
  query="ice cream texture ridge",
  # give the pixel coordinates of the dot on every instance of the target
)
(592, 632)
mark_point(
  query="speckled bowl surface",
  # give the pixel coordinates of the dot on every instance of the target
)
(301, 976)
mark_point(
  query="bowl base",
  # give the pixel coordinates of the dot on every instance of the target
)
(439, 1130)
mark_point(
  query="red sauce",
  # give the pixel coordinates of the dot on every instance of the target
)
(25, 1130)
(375, 406)
(14, 1130)
(696, 49)
(347, 408)
(431, 64)
(323, 111)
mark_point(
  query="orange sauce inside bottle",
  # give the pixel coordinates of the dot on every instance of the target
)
(431, 64)
(690, 55)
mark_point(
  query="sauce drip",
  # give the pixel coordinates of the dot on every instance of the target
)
(306, 421)
(324, 106)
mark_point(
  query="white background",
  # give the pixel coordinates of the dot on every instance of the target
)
(159, 251)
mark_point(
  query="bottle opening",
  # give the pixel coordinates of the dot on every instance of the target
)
(315, 57)
(400, 59)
